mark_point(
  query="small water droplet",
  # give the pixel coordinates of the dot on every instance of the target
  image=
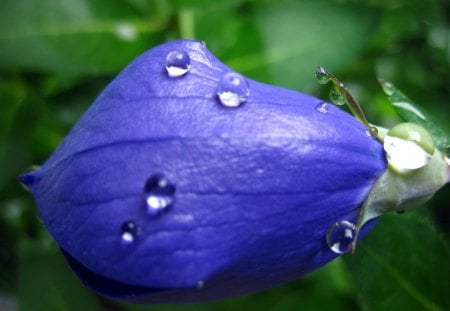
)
(322, 76)
(372, 132)
(160, 194)
(178, 63)
(336, 97)
(388, 88)
(129, 231)
(340, 237)
(322, 107)
(233, 89)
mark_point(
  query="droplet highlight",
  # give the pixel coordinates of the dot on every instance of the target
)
(408, 147)
(388, 88)
(233, 90)
(340, 237)
(322, 107)
(129, 231)
(159, 194)
(178, 63)
(337, 97)
(322, 76)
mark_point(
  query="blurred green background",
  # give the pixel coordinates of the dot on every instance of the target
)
(57, 55)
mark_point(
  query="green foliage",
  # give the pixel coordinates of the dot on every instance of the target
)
(57, 55)
(408, 262)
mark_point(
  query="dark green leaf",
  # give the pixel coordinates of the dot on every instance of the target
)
(47, 283)
(402, 265)
(72, 36)
(412, 112)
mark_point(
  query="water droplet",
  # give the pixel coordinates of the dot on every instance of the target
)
(233, 89)
(160, 194)
(408, 147)
(340, 237)
(129, 230)
(178, 63)
(322, 76)
(404, 155)
(388, 88)
(322, 107)
(336, 97)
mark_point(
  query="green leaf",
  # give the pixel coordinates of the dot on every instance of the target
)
(72, 36)
(412, 112)
(402, 265)
(282, 42)
(46, 282)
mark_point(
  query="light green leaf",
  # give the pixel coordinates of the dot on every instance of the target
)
(72, 36)
(402, 265)
(412, 112)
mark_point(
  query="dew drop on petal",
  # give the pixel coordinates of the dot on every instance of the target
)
(159, 194)
(233, 89)
(340, 237)
(336, 97)
(129, 231)
(322, 107)
(178, 63)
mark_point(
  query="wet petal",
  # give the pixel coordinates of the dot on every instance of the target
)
(255, 187)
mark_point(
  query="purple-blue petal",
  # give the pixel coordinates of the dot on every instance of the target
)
(257, 186)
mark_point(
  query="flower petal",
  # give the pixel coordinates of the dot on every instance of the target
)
(256, 187)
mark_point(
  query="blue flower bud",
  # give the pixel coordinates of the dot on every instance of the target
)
(185, 181)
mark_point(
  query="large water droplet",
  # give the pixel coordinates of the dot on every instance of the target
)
(408, 147)
(233, 89)
(340, 237)
(322, 107)
(336, 97)
(322, 76)
(178, 63)
(129, 230)
(159, 194)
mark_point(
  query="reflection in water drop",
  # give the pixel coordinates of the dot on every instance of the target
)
(322, 76)
(159, 194)
(128, 232)
(337, 97)
(340, 237)
(233, 90)
(322, 107)
(178, 63)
